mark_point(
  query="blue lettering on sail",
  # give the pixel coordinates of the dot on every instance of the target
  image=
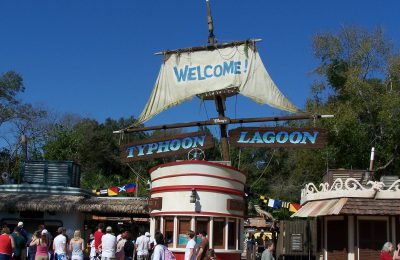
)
(181, 75)
(209, 71)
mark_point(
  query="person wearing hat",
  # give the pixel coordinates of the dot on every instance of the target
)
(108, 245)
(142, 246)
(60, 245)
(23, 232)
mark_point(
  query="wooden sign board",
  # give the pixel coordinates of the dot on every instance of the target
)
(277, 137)
(155, 203)
(165, 146)
(237, 205)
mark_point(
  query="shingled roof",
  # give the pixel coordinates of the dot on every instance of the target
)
(350, 206)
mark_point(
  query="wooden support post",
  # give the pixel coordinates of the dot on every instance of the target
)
(137, 185)
(219, 100)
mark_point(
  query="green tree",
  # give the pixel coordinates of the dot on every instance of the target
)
(358, 83)
(17, 118)
(94, 146)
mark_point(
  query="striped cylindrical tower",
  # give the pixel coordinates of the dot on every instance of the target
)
(198, 196)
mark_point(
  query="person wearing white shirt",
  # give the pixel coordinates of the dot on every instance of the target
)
(190, 250)
(60, 245)
(142, 246)
(108, 245)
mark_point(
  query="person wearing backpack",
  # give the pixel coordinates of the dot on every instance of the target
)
(161, 252)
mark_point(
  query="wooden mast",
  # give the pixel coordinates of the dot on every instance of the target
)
(219, 100)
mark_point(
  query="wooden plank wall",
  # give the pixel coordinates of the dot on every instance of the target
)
(307, 230)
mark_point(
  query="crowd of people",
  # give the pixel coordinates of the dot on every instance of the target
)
(259, 248)
(107, 246)
(102, 245)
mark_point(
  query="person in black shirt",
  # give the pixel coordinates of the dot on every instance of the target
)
(129, 246)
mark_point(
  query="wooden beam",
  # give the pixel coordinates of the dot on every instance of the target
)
(212, 121)
(208, 47)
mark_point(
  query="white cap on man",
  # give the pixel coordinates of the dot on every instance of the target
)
(44, 231)
(20, 224)
(147, 234)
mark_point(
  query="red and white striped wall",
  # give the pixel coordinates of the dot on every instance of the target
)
(214, 185)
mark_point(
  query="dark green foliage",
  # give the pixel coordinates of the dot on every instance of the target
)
(96, 149)
(358, 82)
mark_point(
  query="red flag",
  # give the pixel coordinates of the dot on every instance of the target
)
(113, 191)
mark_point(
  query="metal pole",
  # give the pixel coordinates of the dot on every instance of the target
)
(219, 100)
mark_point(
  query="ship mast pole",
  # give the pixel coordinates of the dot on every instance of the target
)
(219, 99)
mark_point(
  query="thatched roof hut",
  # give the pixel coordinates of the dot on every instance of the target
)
(38, 202)
(117, 205)
(66, 199)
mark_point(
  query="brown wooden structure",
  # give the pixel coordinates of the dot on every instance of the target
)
(354, 217)
(297, 239)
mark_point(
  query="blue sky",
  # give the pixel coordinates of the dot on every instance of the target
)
(96, 58)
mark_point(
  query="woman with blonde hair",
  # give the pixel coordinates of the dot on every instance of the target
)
(387, 249)
(77, 246)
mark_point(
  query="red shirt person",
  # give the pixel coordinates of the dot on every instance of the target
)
(6, 243)
(387, 249)
(97, 236)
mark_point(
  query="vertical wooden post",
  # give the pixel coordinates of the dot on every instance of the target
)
(219, 100)
(137, 185)
(350, 238)
(24, 143)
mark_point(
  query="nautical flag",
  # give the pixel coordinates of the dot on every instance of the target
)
(265, 201)
(285, 204)
(278, 204)
(271, 203)
(262, 197)
(103, 192)
(294, 207)
(96, 191)
(121, 189)
(130, 187)
(113, 191)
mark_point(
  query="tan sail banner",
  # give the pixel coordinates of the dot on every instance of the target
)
(184, 75)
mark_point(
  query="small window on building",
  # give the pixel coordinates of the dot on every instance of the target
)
(157, 223)
(232, 234)
(202, 224)
(218, 232)
(169, 230)
(183, 227)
